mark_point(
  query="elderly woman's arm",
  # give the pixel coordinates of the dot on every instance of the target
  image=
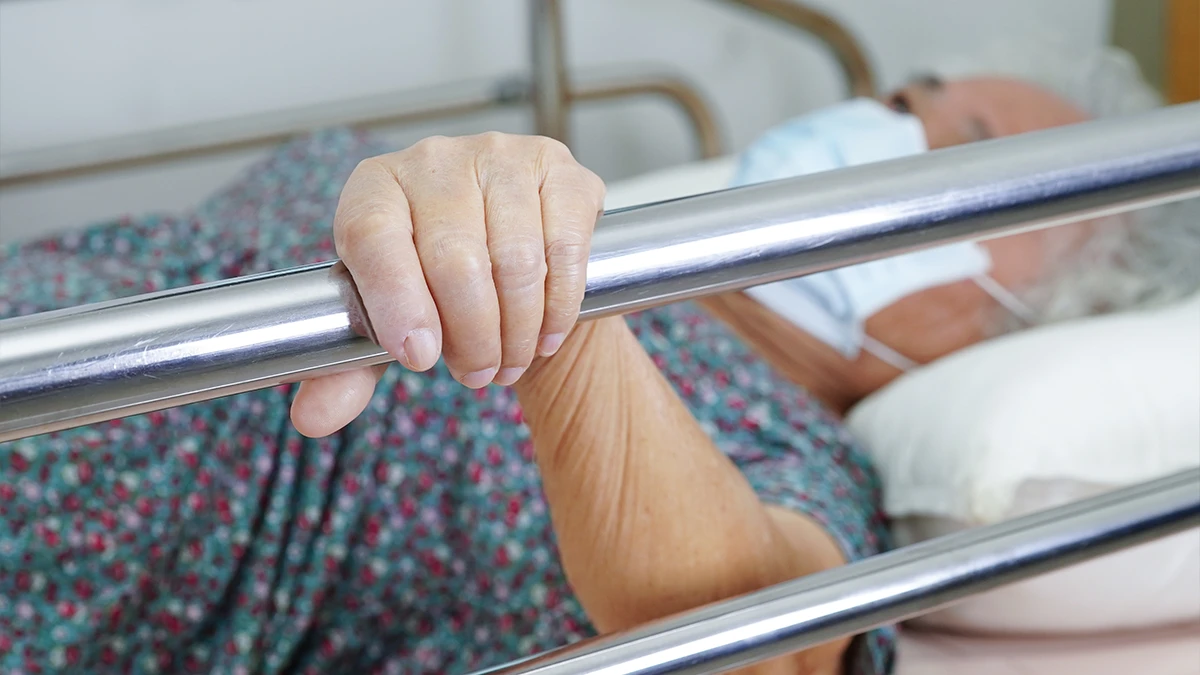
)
(651, 517)
(477, 248)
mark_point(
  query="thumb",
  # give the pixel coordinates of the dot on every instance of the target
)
(326, 404)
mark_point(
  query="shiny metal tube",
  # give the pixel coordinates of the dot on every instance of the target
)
(448, 100)
(673, 88)
(98, 362)
(440, 101)
(549, 69)
(884, 589)
(856, 69)
(408, 107)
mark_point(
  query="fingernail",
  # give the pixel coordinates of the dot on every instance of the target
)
(507, 376)
(479, 378)
(421, 349)
(549, 344)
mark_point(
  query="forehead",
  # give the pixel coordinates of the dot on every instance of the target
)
(1009, 106)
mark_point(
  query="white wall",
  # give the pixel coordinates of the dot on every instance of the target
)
(73, 70)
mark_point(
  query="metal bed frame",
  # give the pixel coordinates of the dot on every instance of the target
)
(98, 362)
(547, 90)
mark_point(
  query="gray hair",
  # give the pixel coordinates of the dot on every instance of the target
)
(1145, 258)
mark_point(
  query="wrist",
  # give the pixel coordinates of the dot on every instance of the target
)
(569, 400)
(547, 377)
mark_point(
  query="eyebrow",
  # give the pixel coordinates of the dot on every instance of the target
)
(899, 102)
(929, 81)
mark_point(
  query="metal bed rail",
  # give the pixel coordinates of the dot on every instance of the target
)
(548, 90)
(550, 85)
(849, 54)
(129, 356)
(551, 88)
(409, 107)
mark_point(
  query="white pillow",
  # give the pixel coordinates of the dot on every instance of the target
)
(1041, 418)
(1012, 426)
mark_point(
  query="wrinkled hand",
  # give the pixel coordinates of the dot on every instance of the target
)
(471, 248)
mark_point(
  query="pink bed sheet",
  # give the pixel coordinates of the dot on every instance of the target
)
(1173, 651)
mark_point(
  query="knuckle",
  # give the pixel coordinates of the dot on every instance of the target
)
(493, 140)
(427, 149)
(595, 185)
(354, 231)
(563, 304)
(456, 258)
(567, 254)
(370, 165)
(519, 263)
(567, 260)
(581, 194)
(559, 317)
(553, 151)
(519, 352)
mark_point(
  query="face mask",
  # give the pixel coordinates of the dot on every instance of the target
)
(833, 306)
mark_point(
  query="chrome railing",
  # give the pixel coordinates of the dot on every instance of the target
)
(548, 90)
(849, 54)
(408, 107)
(552, 90)
(124, 357)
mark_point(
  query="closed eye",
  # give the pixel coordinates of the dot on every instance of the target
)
(899, 103)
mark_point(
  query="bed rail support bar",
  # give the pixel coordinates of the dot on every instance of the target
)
(409, 107)
(849, 54)
(547, 89)
(549, 93)
(98, 362)
(884, 589)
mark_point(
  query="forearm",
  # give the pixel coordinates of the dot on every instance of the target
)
(651, 517)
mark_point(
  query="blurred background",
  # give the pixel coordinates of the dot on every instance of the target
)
(76, 75)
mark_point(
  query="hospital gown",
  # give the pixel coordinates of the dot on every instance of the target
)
(214, 538)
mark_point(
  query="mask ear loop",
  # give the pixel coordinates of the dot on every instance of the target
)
(888, 355)
(999, 293)
(1006, 298)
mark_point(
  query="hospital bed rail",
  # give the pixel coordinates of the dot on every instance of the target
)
(443, 101)
(551, 88)
(97, 362)
(849, 54)
(547, 89)
(134, 355)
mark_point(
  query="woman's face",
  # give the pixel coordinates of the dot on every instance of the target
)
(963, 111)
(930, 324)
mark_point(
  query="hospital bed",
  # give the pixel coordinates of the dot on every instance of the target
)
(88, 364)
(710, 242)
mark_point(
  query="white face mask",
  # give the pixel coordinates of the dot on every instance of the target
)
(834, 306)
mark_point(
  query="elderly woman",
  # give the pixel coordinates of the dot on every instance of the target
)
(916, 308)
(517, 482)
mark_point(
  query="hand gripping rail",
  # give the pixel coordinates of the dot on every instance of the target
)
(98, 362)
(107, 360)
